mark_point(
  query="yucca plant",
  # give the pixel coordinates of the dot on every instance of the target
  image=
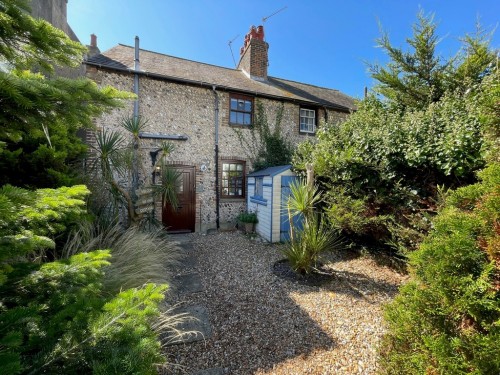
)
(169, 185)
(111, 161)
(134, 125)
(309, 234)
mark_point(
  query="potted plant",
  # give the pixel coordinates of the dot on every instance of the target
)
(249, 219)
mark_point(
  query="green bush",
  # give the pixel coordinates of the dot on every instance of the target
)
(248, 217)
(381, 168)
(446, 320)
(384, 164)
(65, 316)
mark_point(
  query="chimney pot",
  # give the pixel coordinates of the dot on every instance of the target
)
(93, 40)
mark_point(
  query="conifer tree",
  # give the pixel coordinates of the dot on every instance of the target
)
(41, 113)
(416, 78)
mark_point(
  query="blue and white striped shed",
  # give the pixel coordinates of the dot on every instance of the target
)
(267, 190)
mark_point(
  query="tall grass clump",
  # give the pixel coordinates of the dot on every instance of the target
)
(138, 256)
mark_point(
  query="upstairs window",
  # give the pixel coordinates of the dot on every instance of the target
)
(307, 120)
(233, 179)
(241, 110)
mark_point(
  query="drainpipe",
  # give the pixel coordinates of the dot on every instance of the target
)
(136, 77)
(135, 169)
(217, 189)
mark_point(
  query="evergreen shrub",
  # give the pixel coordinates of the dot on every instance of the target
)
(446, 320)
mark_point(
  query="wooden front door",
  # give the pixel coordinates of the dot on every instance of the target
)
(182, 218)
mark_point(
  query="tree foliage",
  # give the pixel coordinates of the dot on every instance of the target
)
(419, 77)
(383, 167)
(447, 318)
(41, 114)
(62, 316)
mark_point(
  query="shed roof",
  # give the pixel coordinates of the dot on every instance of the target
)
(121, 58)
(271, 171)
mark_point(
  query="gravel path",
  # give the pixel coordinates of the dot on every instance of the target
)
(263, 324)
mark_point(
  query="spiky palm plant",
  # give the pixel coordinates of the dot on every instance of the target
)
(310, 238)
(111, 157)
(168, 187)
(134, 125)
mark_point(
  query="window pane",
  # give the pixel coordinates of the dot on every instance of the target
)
(233, 117)
(234, 104)
(241, 105)
(248, 106)
(247, 120)
(239, 118)
(233, 177)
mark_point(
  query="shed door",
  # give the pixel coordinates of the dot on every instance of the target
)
(285, 193)
(182, 218)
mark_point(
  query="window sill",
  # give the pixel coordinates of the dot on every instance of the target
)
(249, 126)
(307, 133)
(232, 199)
(258, 200)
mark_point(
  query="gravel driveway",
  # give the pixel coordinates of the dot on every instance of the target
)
(263, 324)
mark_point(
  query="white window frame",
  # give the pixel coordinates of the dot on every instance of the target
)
(307, 120)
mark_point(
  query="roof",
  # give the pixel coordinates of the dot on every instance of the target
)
(271, 171)
(121, 58)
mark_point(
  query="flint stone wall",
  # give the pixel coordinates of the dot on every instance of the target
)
(179, 109)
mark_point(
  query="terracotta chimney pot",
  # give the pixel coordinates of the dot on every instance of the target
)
(93, 40)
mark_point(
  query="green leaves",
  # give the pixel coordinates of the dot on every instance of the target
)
(28, 42)
(447, 318)
(310, 236)
(41, 114)
(266, 145)
(416, 78)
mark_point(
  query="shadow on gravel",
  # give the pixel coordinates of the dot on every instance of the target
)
(355, 284)
(256, 325)
(246, 337)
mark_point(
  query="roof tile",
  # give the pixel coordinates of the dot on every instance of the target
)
(121, 57)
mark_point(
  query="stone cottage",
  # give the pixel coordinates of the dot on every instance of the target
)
(203, 110)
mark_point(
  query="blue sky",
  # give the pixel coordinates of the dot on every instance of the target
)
(320, 42)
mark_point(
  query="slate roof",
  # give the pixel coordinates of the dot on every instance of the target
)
(121, 58)
(271, 171)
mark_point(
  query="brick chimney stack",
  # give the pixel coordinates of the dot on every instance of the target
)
(93, 49)
(253, 55)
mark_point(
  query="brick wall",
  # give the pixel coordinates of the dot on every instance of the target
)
(254, 60)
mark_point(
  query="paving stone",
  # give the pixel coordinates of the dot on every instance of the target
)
(188, 261)
(210, 371)
(190, 283)
(199, 325)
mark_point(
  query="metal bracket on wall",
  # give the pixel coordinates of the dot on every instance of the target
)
(173, 137)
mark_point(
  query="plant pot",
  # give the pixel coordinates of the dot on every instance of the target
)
(249, 227)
